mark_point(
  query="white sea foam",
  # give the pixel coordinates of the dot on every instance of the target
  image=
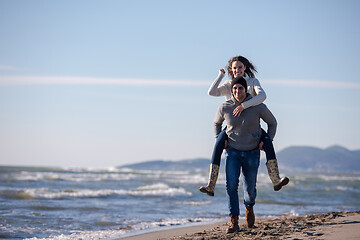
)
(347, 189)
(86, 235)
(159, 189)
(340, 178)
(141, 227)
(327, 177)
(111, 174)
(196, 203)
(69, 176)
(166, 223)
(192, 179)
(80, 175)
(292, 213)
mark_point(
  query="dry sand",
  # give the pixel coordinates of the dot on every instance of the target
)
(327, 226)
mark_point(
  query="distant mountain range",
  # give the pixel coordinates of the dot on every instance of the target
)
(298, 158)
(335, 158)
(182, 165)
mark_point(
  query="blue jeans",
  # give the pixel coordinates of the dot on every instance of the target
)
(220, 144)
(219, 147)
(247, 162)
(268, 145)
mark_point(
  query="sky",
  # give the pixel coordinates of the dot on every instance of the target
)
(106, 83)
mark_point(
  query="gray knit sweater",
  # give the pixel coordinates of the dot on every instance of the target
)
(244, 132)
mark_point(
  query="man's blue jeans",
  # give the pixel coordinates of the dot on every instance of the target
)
(246, 162)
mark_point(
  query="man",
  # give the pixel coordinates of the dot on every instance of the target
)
(242, 150)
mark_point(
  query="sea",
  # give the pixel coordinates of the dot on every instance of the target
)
(112, 203)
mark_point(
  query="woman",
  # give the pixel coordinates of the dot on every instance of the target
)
(240, 66)
(243, 154)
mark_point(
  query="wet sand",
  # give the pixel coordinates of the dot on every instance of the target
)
(326, 226)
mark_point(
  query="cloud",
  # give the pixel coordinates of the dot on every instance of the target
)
(54, 80)
(51, 80)
(312, 83)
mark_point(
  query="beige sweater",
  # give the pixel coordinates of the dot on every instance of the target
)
(254, 88)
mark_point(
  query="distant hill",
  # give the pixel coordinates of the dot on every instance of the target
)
(298, 158)
(335, 158)
(182, 165)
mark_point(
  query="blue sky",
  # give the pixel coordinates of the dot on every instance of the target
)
(105, 83)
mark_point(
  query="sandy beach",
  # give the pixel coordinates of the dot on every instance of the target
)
(327, 226)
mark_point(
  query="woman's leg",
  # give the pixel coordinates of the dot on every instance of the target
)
(268, 145)
(271, 163)
(215, 163)
(219, 147)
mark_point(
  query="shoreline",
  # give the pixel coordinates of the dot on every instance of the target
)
(327, 226)
(170, 232)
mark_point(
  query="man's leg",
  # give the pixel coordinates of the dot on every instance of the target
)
(250, 166)
(233, 169)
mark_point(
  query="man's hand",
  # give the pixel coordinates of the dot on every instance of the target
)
(225, 146)
(261, 144)
(238, 110)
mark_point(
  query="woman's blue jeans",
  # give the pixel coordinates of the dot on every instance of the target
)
(246, 162)
(220, 144)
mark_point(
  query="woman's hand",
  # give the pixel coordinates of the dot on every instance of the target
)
(222, 70)
(237, 111)
(261, 144)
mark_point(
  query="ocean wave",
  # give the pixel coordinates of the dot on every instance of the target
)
(196, 203)
(86, 235)
(160, 189)
(170, 222)
(346, 189)
(327, 178)
(129, 230)
(38, 193)
(339, 177)
(115, 174)
(85, 175)
(21, 195)
(75, 177)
